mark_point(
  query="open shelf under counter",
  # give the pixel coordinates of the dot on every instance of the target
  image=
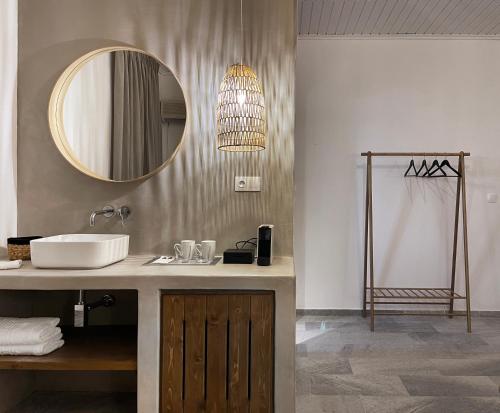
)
(77, 402)
(106, 348)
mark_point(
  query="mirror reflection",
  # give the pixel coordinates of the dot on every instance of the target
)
(124, 115)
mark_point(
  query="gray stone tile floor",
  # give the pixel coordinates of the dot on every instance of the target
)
(410, 364)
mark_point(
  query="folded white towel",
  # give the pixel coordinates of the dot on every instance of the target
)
(26, 331)
(55, 334)
(32, 349)
(10, 265)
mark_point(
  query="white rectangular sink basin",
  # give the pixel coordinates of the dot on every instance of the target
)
(79, 250)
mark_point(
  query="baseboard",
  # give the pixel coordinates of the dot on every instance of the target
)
(345, 312)
(326, 312)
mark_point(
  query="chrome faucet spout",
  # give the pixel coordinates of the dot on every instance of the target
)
(92, 218)
(107, 211)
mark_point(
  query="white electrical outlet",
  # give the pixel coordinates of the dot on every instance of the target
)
(247, 183)
(492, 198)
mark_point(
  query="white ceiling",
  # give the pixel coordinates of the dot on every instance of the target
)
(398, 17)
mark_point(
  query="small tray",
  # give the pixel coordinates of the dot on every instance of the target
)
(179, 262)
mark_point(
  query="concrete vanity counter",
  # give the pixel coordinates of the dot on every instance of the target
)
(132, 273)
(151, 280)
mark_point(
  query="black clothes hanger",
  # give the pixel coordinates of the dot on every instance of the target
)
(412, 165)
(448, 165)
(435, 167)
(424, 165)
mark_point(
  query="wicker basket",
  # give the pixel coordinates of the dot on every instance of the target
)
(19, 248)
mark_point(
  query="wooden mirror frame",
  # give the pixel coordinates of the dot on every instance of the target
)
(56, 105)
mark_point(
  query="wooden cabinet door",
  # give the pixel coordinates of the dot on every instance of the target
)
(217, 352)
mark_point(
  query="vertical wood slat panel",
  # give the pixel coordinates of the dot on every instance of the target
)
(218, 353)
(216, 380)
(262, 354)
(239, 319)
(194, 379)
(172, 354)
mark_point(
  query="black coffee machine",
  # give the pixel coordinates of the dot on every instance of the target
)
(265, 245)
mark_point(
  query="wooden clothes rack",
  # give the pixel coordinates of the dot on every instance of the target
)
(400, 296)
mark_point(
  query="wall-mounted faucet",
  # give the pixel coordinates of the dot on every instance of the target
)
(108, 212)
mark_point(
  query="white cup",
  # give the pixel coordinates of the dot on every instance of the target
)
(206, 250)
(185, 250)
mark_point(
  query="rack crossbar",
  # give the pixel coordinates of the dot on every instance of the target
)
(415, 153)
(409, 302)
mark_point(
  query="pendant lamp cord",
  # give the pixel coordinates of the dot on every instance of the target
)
(241, 31)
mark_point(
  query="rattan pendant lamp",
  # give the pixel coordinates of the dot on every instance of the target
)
(241, 117)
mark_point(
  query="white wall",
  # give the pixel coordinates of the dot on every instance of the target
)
(8, 132)
(355, 95)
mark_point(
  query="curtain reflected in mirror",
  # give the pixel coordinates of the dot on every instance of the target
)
(124, 115)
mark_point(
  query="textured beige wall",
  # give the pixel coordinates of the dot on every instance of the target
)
(193, 197)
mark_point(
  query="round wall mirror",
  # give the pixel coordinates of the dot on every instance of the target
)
(118, 114)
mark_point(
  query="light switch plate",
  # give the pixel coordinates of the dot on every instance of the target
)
(247, 183)
(492, 198)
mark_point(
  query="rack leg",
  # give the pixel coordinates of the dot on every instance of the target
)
(466, 245)
(370, 227)
(455, 239)
(365, 273)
